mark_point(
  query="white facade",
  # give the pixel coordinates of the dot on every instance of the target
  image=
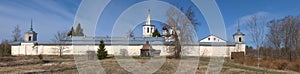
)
(212, 38)
(208, 46)
(131, 50)
(205, 48)
(148, 30)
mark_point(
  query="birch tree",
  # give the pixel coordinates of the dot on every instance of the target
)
(59, 38)
(16, 34)
(256, 30)
(182, 26)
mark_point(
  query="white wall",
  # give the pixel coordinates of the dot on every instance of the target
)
(132, 50)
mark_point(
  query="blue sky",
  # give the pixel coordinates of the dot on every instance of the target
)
(50, 16)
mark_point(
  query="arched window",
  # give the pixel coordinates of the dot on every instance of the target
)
(240, 39)
(208, 39)
(29, 38)
(147, 30)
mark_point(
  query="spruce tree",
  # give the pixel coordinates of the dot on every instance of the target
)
(78, 31)
(101, 53)
(156, 33)
(71, 32)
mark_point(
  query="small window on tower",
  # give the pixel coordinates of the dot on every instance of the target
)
(208, 39)
(147, 30)
(240, 39)
(151, 30)
(215, 39)
(29, 38)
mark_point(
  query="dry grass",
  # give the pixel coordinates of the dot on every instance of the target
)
(279, 64)
(66, 65)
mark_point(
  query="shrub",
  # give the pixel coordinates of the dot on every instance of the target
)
(281, 64)
(40, 56)
(101, 53)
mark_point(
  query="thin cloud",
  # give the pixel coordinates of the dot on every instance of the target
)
(243, 24)
(49, 16)
(243, 20)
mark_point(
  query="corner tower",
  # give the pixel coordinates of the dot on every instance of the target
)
(239, 36)
(30, 35)
(239, 40)
(148, 28)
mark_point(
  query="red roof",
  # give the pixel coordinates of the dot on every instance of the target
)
(146, 46)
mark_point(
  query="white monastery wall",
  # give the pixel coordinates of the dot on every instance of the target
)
(128, 50)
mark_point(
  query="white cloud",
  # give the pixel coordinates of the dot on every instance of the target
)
(243, 24)
(49, 17)
(243, 20)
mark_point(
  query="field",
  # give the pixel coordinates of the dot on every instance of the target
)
(66, 65)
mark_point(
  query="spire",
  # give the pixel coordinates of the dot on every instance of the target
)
(148, 18)
(238, 30)
(239, 26)
(31, 29)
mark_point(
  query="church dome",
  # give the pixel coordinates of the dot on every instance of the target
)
(239, 33)
(31, 32)
(165, 28)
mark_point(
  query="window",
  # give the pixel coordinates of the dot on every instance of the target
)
(208, 39)
(147, 30)
(215, 39)
(240, 39)
(29, 38)
(151, 30)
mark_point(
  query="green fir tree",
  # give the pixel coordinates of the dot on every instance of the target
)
(156, 33)
(71, 32)
(101, 53)
(78, 31)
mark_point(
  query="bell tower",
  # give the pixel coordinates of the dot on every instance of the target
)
(30, 35)
(239, 36)
(239, 40)
(148, 28)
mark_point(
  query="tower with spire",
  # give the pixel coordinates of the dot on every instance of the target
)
(239, 36)
(239, 39)
(31, 35)
(148, 28)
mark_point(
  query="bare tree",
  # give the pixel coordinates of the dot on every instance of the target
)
(298, 42)
(59, 38)
(17, 33)
(182, 26)
(256, 26)
(274, 36)
(284, 36)
(130, 33)
(296, 36)
(289, 30)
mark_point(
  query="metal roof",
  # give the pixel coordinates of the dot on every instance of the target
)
(122, 41)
